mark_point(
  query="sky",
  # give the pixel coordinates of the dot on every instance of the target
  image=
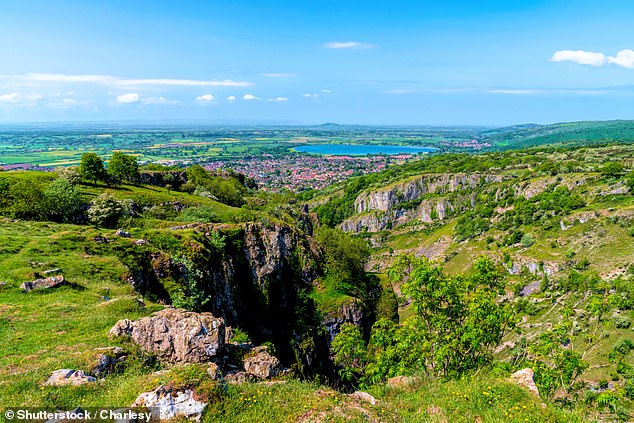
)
(310, 62)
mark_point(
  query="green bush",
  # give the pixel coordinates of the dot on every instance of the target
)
(622, 322)
(198, 214)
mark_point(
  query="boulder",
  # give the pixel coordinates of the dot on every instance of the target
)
(401, 381)
(524, 378)
(363, 396)
(171, 403)
(108, 362)
(51, 282)
(122, 233)
(64, 377)
(238, 378)
(262, 364)
(213, 371)
(176, 335)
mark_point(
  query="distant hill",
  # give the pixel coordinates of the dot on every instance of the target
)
(573, 133)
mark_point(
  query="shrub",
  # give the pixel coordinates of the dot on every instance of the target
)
(527, 240)
(62, 201)
(621, 322)
(105, 211)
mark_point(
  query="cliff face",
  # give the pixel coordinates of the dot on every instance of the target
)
(350, 312)
(256, 280)
(447, 194)
(413, 189)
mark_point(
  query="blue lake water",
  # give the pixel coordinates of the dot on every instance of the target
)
(361, 150)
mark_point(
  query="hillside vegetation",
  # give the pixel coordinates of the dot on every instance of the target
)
(425, 286)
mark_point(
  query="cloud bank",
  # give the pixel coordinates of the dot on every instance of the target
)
(346, 44)
(127, 82)
(623, 58)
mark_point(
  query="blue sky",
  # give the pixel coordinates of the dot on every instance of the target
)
(367, 62)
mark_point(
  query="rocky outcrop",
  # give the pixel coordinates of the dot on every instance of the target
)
(170, 403)
(65, 377)
(51, 282)
(176, 335)
(533, 267)
(412, 189)
(350, 312)
(262, 364)
(439, 195)
(524, 378)
(267, 250)
(372, 222)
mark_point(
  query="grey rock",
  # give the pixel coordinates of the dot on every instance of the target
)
(122, 233)
(51, 282)
(262, 364)
(363, 396)
(238, 378)
(524, 378)
(64, 377)
(171, 403)
(109, 362)
(176, 335)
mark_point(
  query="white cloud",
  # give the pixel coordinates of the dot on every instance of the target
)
(278, 99)
(116, 81)
(205, 97)
(9, 98)
(20, 99)
(158, 100)
(326, 91)
(128, 98)
(346, 44)
(309, 95)
(624, 58)
(249, 97)
(69, 101)
(277, 75)
(579, 56)
(231, 98)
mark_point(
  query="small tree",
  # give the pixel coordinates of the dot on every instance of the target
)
(91, 168)
(62, 200)
(105, 211)
(349, 352)
(123, 167)
(70, 174)
(612, 169)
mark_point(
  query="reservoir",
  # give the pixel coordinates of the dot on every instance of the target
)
(361, 150)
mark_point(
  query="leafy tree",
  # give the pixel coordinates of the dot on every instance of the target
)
(63, 201)
(460, 318)
(554, 365)
(105, 211)
(123, 167)
(91, 168)
(27, 201)
(612, 169)
(457, 322)
(350, 352)
(225, 188)
(344, 261)
(70, 174)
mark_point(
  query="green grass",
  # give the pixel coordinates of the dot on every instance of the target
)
(483, 398)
